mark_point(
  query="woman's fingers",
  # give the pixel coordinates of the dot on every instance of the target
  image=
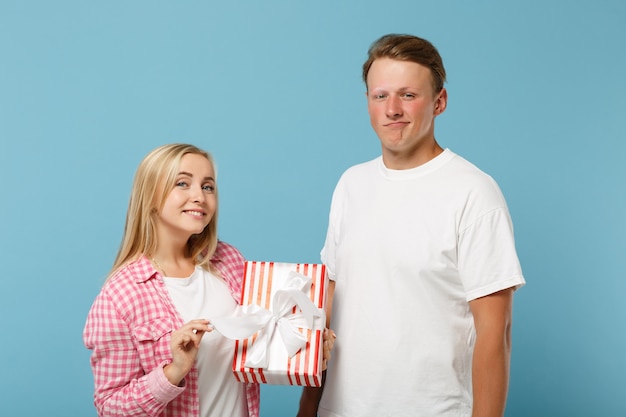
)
(184, 344)
(193, 331)
(198, 325)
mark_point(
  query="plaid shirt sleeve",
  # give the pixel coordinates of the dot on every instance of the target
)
(230, 264)
(121, 386)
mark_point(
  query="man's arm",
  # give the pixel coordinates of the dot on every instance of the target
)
(311, 396)
(492, 352)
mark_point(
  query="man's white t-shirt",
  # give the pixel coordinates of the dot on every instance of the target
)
(407, 250)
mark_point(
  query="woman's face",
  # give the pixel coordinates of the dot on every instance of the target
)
(191, 204)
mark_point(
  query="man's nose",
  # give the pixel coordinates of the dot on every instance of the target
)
(394, 107)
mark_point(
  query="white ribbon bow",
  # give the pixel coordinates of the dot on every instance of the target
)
(253, 318)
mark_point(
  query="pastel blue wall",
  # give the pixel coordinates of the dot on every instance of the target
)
(537, 99)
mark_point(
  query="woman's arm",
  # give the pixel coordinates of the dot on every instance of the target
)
(122, 386)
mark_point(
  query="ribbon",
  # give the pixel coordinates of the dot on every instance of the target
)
(252, 318)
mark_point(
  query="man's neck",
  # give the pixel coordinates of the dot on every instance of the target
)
(400, 161)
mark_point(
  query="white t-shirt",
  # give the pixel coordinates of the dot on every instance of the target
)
(407, 250)
(202, 296)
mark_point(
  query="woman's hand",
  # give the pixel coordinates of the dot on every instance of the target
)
(184, 344)
(329, 341)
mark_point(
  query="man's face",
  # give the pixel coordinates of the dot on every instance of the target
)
(402, 107)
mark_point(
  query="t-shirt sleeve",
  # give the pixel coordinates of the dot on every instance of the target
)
(328, 253)
(487, 258)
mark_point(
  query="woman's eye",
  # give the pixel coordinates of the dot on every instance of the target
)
(208, 188)
(182, 184)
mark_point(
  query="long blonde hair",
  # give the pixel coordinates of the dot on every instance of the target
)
(154, 180)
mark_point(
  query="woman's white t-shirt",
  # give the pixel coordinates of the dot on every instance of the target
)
(202, 296)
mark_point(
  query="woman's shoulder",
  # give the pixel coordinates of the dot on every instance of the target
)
(134, 272)
(229, 262)
(225, 252)
(132, 294)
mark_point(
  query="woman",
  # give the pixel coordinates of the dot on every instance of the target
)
(153, 350)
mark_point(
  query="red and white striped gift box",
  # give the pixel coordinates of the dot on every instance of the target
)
(261, 281)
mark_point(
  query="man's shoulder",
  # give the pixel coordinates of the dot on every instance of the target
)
(472, 184)
(465, 171)
(362, 168)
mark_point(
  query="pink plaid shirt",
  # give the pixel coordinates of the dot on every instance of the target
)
(128, 329)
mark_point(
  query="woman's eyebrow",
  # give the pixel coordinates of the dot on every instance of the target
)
(189, 174)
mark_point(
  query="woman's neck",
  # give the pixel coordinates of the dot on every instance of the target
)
(173, 263)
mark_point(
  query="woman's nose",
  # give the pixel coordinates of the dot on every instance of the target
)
(198, 194)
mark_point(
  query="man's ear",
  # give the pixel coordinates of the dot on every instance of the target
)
(441, 102)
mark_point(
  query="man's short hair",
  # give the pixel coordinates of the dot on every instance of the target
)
(407, 48)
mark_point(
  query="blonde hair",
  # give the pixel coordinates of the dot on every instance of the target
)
(154, 180)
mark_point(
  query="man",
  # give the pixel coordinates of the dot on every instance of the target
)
(422, 261)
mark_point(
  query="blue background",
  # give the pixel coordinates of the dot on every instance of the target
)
(537, 97)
